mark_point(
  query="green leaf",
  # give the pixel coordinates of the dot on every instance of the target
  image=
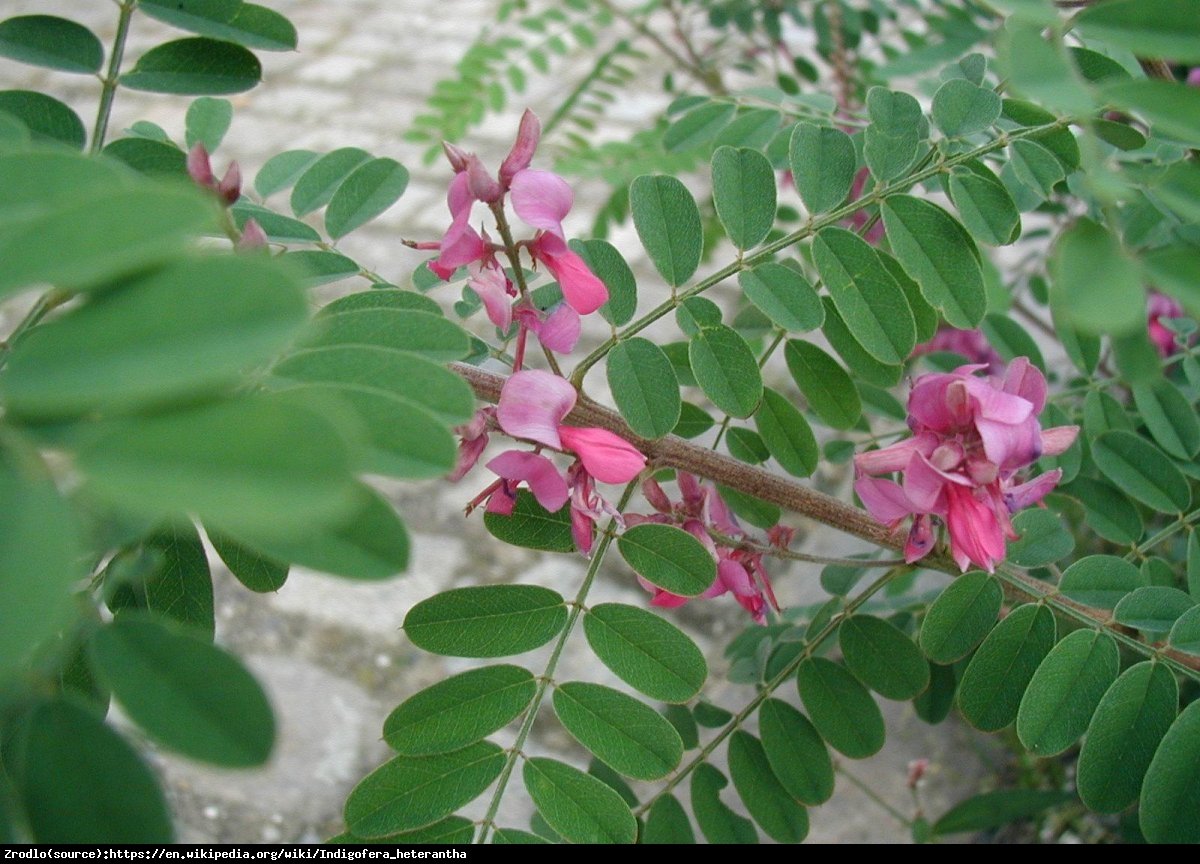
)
(1171, 794)
(532, 526)
(960, 617)
(259, 464)
(1097, 286)
(185, 693)
(1185, 632)
(454, 829)
(82, 783)
(693, 421)
(251, 25)
(191, 14)
(711, 716)
(891, 142)
(431, 336)
(1172, 109)
(862, 364)
(668, 224)
(414, 791)
(1042, 539)
(991, 688)
(883, 657)
(841, 708)
(196, 66)
(669, 558)
(1140, 469)
(776, 812)
(53, 42)
(1011, 340)
(1149, 28)
(985, 207)
(823, 165)
(40, 547)
(787, 435)
(757, 512)
(996, 809)
(405, 375)
(934, 705)
(258, 573)
(321, 180)
(381, 295)
(667, 823)
(1100, 581)
(797, 755)
(514, 836)
(601, 771)
(1193, 565)
(278, 228)
(698, 126)
(1169, 417)
(47, 119)
(717, 822)
(646, 652)
(318, 267)
(685, 724)
(643, 384)
(1131, 720)
(98, 238)
(207, 122)
(488, 621)
(696, 313)
(213, 318)
(744, 194)
(370, 189)
(754, 128)
(939, 255)
(626, 734)
(170, 579)
(576, 805)
(152, 158)
(1065, 691)
(1152, 608)
(961, 109)
(827, 388)
(726, 370)
(1038, 68)
(604, 260)
(368, 542)
(282, 170)
(1036, 168)
(783, 295)
(870, 301)
(459, 710)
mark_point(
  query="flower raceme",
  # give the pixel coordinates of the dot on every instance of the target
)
(541, 199)
(971, 437)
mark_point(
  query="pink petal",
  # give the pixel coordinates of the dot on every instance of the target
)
(581, 288)
(691, 490)
(1026, 494)
(992, 403)
(543, 479)
(1024, 379)
(528, 134)
(924, 484)
(491, 286)
(469, 451)
(542, 199)
(1010, 446)
(884, 499)
(199, 167)
(1058, 440)
(501, 502)
(582, 526)
(482, 185)
(466, 247)
(456, 156)
(975, 534)
(656, 496)
(894, 457)
(533, 404)
(607, 457)
(920, 538)
(736, 578)
(560, 330)
(939, 402)
(718, 514)
(230, 187)
(253, 236)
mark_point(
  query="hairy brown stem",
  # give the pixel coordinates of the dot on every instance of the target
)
(675, 452)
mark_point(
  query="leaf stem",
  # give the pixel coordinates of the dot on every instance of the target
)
(109, 81)
(547, 676)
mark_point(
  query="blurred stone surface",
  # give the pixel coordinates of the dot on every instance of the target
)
(330, 652)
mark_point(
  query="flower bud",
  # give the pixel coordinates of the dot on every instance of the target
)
(482, 186)
(230, 187)
(199, 167)
(456, 156)
(253, 236)
(518, 159)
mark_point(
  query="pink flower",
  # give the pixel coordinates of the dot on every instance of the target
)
(740, 571)
(199, 168)
(1159, 306)
(971, 435)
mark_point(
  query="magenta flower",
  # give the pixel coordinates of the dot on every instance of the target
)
(1159, 306)
(971, 435)
(740, 571)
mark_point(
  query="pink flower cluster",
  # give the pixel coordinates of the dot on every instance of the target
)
(1158, 307)
(739, 570)
(542, 200)
(228, 190)
(532, 406)
(971, 437)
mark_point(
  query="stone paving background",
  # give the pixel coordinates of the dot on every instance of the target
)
(329, 651)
